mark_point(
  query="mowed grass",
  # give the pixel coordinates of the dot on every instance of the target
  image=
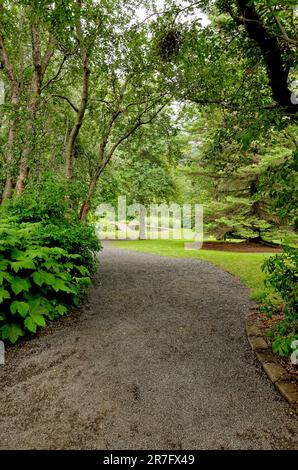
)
(244, 266)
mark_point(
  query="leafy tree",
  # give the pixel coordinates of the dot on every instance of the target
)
(232, 180)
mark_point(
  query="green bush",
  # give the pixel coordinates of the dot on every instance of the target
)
(73, 237)
(42, 201)
(38, 283)
(282, 276)
(47, 205)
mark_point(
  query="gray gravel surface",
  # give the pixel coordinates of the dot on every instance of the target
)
(157, 358)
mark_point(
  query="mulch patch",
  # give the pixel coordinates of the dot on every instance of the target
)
(241, 247)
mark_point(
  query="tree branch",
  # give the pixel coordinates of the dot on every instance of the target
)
(271, 52)
(68, 101)
(48, 54)
(138, 123)
(56, 75)
(5, 61)
(36, 47)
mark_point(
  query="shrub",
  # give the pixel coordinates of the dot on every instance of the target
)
(282, 276)
(46, 204)
(73, 237)
(38, 283)
(42, 201)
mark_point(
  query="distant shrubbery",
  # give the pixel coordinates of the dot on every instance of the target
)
(282, 276)
(46, 260)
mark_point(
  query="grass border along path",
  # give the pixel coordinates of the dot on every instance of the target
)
(244, 266)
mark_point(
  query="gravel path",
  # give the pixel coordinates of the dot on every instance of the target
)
(156, 359)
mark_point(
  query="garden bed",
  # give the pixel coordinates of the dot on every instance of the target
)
(241, 247)
(264, 324)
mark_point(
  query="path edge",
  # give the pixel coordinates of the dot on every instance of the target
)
(277, 374)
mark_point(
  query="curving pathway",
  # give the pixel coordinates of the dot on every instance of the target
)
(156, 359)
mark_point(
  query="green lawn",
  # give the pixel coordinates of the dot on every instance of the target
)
(245, 266)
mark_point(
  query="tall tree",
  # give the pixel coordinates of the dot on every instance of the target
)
(15, 89)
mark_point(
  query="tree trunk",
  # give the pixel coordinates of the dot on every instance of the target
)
(24, 169)
(40, 66)
(102, 163)
(23, 174)
(70, 145)
(277, 69)
(87, 202)
(8, 67)
(8, 187)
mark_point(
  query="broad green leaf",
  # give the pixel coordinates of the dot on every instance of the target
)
(4, 275)
(12, 332)
(37, 252)
(82, 269)
(4, 294)
(85, 281)
(17, 254)
(3, 264)
(53, 265)
(42, 277)
(38, 319)
(38, 306)
(19, 284)
(59, 284)
(21, 307)
(30, 324)
(61, 309)
(24, 264)
(37, 278)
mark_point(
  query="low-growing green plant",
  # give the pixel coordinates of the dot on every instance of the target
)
(282, 276)
(38, 283)
(282, 337)
(74, 238)
(45, 203)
